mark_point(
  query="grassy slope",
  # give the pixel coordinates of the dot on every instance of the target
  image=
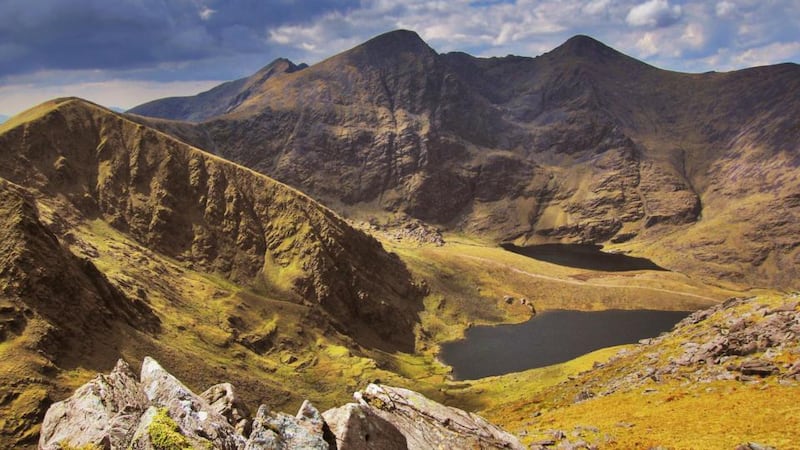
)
(468, 279)
(679, 411)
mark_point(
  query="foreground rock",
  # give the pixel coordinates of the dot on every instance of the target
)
(157, 411)
(395, 418)
(104, 411)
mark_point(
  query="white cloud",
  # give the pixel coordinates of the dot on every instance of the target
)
(647, 45)
(694, 35)
(112, 93)
(773, 53)
(596, 7)
(725, 8)
(653, 13)
(206, 13)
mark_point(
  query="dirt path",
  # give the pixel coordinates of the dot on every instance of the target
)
(588, 283)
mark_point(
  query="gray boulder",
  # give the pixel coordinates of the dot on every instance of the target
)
(383, 412)
(279, 431)
(102, 412)
(197, 420)
(223, 399)
(357, 427)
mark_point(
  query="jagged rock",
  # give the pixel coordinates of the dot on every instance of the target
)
(559, 435)
(197, 420)
(584, 395)
(753, 446)
(427, 424)
(103, 412)
(757, 367)
(223, 399)
(158, 412)
(358, 428)
(279, 431)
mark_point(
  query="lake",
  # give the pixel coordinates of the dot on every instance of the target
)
(549, 338)
(583, 256)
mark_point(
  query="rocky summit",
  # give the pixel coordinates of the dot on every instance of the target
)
(581, 144)
(156, 411)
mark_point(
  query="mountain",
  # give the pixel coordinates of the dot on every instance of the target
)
(581, 144)
(219, 100)
(118, 240)
(3, 118)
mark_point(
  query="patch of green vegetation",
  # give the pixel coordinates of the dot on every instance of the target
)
(165, 434)
(90, 446)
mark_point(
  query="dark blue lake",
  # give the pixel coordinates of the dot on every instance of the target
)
(550, 338)
(583, 256)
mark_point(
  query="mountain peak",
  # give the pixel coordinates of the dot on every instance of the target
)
(394, 42)
(583, 46)
(279, 65)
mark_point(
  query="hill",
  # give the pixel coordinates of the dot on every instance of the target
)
(684, 389)
(121, 241)
(581, 144)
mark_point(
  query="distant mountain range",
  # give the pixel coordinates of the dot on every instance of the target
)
(581, 144)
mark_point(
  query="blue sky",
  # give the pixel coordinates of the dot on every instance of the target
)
(125, 52)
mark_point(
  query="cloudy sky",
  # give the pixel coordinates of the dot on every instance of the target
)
(124, 52)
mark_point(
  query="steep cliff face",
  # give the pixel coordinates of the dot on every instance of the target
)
(582, 144)
(211, 215)
(119, 240)
(54, 307)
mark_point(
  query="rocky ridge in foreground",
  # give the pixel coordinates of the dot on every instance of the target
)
(157, 411)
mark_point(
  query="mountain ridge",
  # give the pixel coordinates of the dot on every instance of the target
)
(122, 241)
(580, 144)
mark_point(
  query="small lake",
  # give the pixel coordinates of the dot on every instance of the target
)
(550, 338)
(583, 256)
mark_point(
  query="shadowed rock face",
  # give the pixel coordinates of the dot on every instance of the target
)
(54, 307)
(213, 216)
(582, 144)
(70, 169)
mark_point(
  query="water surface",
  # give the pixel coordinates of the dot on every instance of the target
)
(583, 256)
(551, 337)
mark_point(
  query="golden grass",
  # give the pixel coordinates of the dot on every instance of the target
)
(714, 415)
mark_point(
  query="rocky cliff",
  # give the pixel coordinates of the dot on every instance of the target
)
(157, 411)
(210, 215)
(581, 144)
(119, 240)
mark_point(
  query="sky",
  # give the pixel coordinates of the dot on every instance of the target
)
(122, 53)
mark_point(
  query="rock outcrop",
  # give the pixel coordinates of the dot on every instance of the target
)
(104, 411)
(395, 418)
(281, 431)
(117, 411)
(223, 399)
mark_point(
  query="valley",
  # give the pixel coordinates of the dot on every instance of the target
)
(309, 231)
